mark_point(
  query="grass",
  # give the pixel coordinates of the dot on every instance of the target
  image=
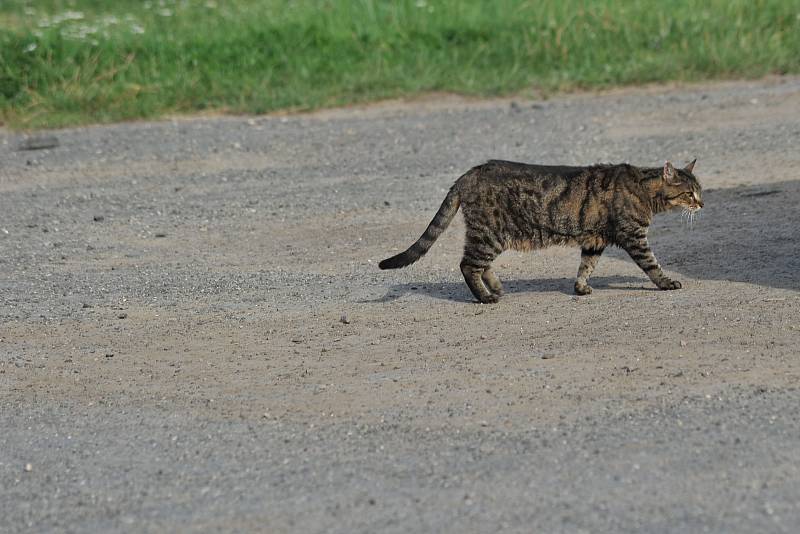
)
(86, 61)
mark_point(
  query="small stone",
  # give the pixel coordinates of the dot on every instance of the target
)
(547, 356)
(343, 319)
(109, 355)
(98, 218)
(122, 316)
(160, 234)
(682, 343)
(86, 305)
(28, 468)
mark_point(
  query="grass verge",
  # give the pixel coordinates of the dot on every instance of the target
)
(85, 61)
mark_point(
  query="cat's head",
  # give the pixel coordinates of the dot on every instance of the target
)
(680, 188)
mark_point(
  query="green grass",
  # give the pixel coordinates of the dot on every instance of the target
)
(84, 61)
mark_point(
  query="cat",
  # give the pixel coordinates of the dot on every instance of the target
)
(509, 205)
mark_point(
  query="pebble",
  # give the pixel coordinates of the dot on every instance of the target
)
(344, 319)
(28, 468)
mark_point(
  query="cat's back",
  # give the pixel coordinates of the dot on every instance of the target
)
(509, 169)
(505, 173)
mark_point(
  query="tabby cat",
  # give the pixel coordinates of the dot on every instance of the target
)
(510, 205)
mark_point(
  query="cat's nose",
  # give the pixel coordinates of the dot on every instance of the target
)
(700, 202)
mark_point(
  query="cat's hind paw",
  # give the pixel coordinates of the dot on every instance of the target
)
(491, 298)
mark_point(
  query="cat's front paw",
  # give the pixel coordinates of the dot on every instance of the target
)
(582, 288)
(668, 284)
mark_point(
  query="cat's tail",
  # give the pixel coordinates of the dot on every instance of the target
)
(440, 221)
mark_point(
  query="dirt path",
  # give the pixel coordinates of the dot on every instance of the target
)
(194, 334)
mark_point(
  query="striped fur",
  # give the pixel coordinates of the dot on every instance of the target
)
(509, 205)
(440, 221)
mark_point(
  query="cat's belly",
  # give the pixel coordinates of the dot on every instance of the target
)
(544, 239)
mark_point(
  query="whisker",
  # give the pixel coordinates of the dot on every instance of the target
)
(686, 215)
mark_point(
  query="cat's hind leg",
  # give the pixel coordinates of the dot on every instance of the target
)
(492, 282)
(476, 266)
(589, 258)
(473, 275)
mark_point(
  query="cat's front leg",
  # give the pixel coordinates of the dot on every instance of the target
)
(589, 258)
(638, 248)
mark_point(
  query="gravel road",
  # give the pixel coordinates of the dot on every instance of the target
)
(194, 334)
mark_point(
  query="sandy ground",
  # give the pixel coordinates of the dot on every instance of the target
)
(194, 334)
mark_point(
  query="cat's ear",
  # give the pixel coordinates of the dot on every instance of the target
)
(690, 167)
(669, 172)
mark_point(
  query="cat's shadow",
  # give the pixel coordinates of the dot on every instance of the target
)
(458, 291)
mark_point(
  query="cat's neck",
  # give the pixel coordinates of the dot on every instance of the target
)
(654, 186)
